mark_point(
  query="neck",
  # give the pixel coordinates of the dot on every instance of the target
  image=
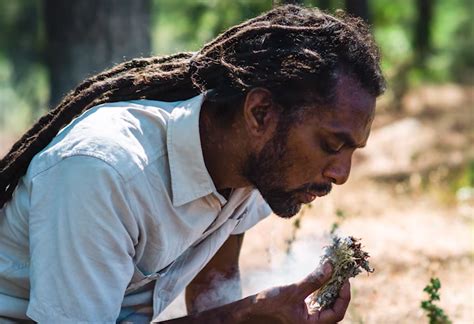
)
(223, 150)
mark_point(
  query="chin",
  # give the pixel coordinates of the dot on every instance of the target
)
(288, 212)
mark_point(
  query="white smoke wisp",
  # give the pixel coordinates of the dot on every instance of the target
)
(304, 257)
(221, 291)
(284, 268)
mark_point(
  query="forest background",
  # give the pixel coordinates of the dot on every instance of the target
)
(411, 195)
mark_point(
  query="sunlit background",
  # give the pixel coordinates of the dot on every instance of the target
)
(411, 194)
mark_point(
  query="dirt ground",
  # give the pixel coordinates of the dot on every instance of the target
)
(400, 201)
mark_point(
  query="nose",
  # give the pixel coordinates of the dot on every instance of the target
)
(339, 168)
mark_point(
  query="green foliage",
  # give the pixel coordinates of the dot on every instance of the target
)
(450, 57)
(340, 216)
(23, 77)
(188, 24)
(467, 178)
(22, 33)
(23, 101)
(462, 178)
(454, 186)
(453, 38)
(435, 314)
(393, 25)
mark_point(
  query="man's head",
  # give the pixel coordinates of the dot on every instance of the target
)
(294, 159)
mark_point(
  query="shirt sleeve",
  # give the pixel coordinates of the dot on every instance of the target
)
(82, 237)
(257, 210)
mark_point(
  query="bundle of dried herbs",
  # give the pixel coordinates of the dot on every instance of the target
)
(348, 260)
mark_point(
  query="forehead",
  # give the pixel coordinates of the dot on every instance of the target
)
(351, 112)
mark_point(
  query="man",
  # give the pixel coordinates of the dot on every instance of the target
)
(142, 182)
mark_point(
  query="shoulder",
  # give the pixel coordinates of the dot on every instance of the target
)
(127, 136)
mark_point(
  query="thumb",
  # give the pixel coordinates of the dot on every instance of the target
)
(315, 279)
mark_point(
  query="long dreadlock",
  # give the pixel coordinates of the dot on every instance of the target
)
(280, 50)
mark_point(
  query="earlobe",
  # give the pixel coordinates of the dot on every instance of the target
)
(258, 110)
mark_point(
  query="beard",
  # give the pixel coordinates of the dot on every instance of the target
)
(267, 171)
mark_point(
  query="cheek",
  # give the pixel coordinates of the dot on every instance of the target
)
(306, 167)
(305, 157)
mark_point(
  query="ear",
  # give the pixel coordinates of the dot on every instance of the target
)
(260, 112)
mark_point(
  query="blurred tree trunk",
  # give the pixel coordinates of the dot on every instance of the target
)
(422, 37)
(359, 8)
(85, 37)
(421, 42)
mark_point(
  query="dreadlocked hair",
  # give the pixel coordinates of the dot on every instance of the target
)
(284, 50)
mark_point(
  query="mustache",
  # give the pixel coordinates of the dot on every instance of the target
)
(321, 189)
(280, 197)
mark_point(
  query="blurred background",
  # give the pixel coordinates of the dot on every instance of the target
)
(411, 194)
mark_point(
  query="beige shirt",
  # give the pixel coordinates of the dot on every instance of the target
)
(117, 212)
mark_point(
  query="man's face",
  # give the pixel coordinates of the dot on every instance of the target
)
(305, 158)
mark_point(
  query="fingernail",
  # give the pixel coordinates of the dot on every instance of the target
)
(327, 268)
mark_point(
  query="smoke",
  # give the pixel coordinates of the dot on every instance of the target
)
(283, 268)
(221, 291)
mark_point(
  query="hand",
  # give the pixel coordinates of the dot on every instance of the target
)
(286, 304)
(278, 305)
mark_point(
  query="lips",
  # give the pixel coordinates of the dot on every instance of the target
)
(308, 197)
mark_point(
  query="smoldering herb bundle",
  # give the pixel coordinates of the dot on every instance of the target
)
(348, 260)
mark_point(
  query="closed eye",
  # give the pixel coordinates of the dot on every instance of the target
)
(330, 149)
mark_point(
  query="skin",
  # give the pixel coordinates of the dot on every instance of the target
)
(311, 155)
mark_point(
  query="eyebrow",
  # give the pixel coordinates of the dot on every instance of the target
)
(348, 140)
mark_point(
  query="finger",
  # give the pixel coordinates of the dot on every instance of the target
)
(314, 280)
(337, 312)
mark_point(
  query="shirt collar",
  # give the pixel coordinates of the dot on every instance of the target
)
(190, 179)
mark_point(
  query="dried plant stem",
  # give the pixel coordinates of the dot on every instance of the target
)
(348, 260)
